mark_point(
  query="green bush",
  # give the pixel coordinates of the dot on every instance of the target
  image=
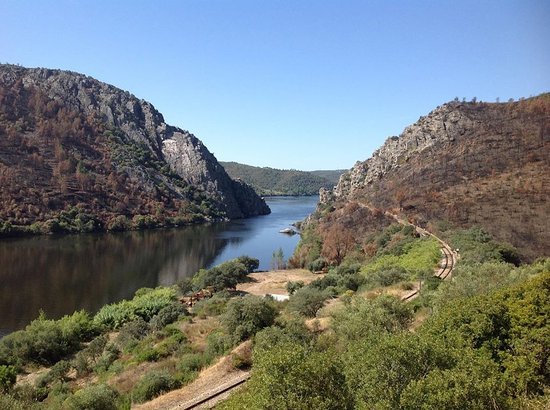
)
(168, 314)
(131, 333)
(8, 376)
(145, 304)
(192, 362)
(292, 287)
(57, 373)
(307, 301)
(247, 315)
(95, 397)
(46, 341)
(214, 306)
(152, 385)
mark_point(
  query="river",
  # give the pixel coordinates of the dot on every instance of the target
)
(61, 274)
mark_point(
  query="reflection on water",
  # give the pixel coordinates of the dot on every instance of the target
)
(65, 273)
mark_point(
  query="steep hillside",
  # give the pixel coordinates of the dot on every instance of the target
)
(270, 181)
(332, 175)
(468, 164)
(77, 154)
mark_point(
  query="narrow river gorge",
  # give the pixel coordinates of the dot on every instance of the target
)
(61, 274)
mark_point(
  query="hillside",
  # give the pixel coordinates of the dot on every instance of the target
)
(79, 155)
(270, 181)
(464, 164)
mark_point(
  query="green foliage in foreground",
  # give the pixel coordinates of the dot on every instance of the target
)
(489, 350)
(247, 315)
(291, 375)
(145, 304)
(8, 375)
(96, 397)
(46, 341)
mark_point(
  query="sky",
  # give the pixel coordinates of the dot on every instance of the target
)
(292, 84)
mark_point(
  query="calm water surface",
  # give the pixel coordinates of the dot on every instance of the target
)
(62, 274)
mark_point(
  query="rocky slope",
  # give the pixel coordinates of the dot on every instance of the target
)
(469, 164)
(68, 141)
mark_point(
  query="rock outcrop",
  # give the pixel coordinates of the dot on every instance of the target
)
(127, 135)
(467, 163)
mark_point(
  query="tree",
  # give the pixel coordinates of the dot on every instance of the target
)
(247, 315)
(338, 241)
(278, 260)
(307, 301)
(293, 376)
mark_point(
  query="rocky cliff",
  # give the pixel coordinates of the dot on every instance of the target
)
(68, 140)
(467, 163)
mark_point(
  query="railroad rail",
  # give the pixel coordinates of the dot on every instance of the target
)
(203, 400)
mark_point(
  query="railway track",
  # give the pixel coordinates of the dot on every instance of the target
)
(445, 270)
(208, 399)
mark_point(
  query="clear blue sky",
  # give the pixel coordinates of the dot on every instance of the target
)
(290, 84)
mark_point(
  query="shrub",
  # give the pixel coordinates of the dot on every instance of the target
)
(46, 341)
(217, 344)
(145, 304)
(245, 316)
(152, 385)
(57, 373)
(131, 333)
(292, 287)
(192, 362)
(388, 276)
(317, 265)
(307, 301)
(8, 375)
(168, 314)
(95, 397)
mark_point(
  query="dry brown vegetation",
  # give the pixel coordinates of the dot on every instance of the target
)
(496, 175)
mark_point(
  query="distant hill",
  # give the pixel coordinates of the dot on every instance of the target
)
(270, 181)
(332, 175)
(463, 165)
(80, 155)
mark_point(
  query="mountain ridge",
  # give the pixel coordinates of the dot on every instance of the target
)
(469, 164)
(65, 134)
(272, 181)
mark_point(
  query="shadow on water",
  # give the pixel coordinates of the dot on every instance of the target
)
(61, 274)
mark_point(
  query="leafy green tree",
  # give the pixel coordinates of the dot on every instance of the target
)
(365, 318)
(293, 376)
(307, 301)
(475, 383)
(247, 315)
(380, 370)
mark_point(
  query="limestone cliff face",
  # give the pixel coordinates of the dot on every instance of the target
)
(167, 163)
(468, 163)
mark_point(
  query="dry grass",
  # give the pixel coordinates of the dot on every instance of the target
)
(274, 282)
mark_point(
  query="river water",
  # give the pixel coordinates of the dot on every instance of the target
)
(61, 274)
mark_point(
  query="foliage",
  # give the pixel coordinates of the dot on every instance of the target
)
(278, 260)
(145, 304)
(270, 181)
(292, 287)
(293, 376)
(8, 375)
(307, 301)
(95, 397)
(153, 384)
(418, 258)
(46, 341)
(226, 275)
(247, 315)
(364, 318)
(168, 314)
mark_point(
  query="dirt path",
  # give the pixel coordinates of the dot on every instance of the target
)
(210, 380)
